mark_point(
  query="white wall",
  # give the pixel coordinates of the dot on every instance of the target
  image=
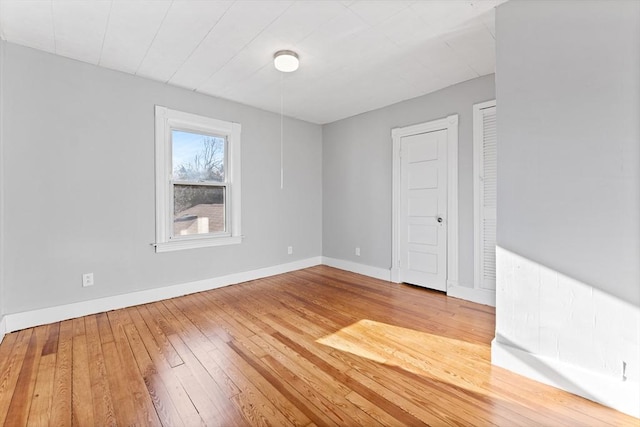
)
(79, 192)
(568, 297)
(357, 169)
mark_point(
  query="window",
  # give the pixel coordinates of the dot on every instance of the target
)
(197, 181)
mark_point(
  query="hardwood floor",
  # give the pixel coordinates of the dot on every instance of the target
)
(314, 347)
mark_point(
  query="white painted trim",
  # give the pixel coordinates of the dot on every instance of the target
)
(478, 133)
(166, 120)
(452, 198)
(3, 46)
(621, 395)
(176, 245)
(450, 124)
(395, 275)
(480, 296)
(482, 105)
(3, 328)
(47, 315)
(43, 316)
(365, 270)
(396, 192)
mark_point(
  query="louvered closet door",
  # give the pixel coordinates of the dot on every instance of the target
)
(486, 187)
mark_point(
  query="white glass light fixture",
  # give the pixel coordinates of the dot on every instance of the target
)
(286, 61)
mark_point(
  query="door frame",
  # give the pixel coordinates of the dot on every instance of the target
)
(450, 124)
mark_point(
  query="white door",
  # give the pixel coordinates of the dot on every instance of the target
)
(485, 178)
(423, 210)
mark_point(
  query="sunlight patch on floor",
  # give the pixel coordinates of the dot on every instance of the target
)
(444, 359)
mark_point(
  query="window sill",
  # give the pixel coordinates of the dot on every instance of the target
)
(177, 245)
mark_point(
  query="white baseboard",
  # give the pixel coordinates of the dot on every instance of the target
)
(623, 396)
(3, 328)
(27, 319)
(365, 270)
(480, 296)
(44, 316)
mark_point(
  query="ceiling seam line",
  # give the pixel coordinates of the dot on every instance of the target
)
(200, 42)
(455, 52)
(106, 29)
(53, 27)
(247, 44)
(154, 38)
(2, 37)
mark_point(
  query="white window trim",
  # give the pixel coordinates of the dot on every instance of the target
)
(166, 120)
(478, 166)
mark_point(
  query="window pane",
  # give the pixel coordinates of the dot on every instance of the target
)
(198, 209)
(197, 157)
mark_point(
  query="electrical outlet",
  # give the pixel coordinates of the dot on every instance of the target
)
(87, 280)
(290, 250)
(357, 251)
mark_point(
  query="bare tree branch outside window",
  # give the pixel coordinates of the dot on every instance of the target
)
(207, 165)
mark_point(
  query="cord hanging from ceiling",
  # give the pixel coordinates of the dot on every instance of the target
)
(282, 131)
(285, 61)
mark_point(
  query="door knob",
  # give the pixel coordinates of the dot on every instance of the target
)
(439, 219)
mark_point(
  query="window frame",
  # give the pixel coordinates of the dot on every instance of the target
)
(167, 120)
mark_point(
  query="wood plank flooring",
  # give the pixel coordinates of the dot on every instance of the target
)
(316, 347)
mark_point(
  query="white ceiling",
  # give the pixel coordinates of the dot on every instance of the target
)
(355, 56)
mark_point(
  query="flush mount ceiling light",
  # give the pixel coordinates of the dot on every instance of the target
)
(286, 61)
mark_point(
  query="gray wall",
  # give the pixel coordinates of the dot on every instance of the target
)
(357, 170)
(79, 184)
(568, 90)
